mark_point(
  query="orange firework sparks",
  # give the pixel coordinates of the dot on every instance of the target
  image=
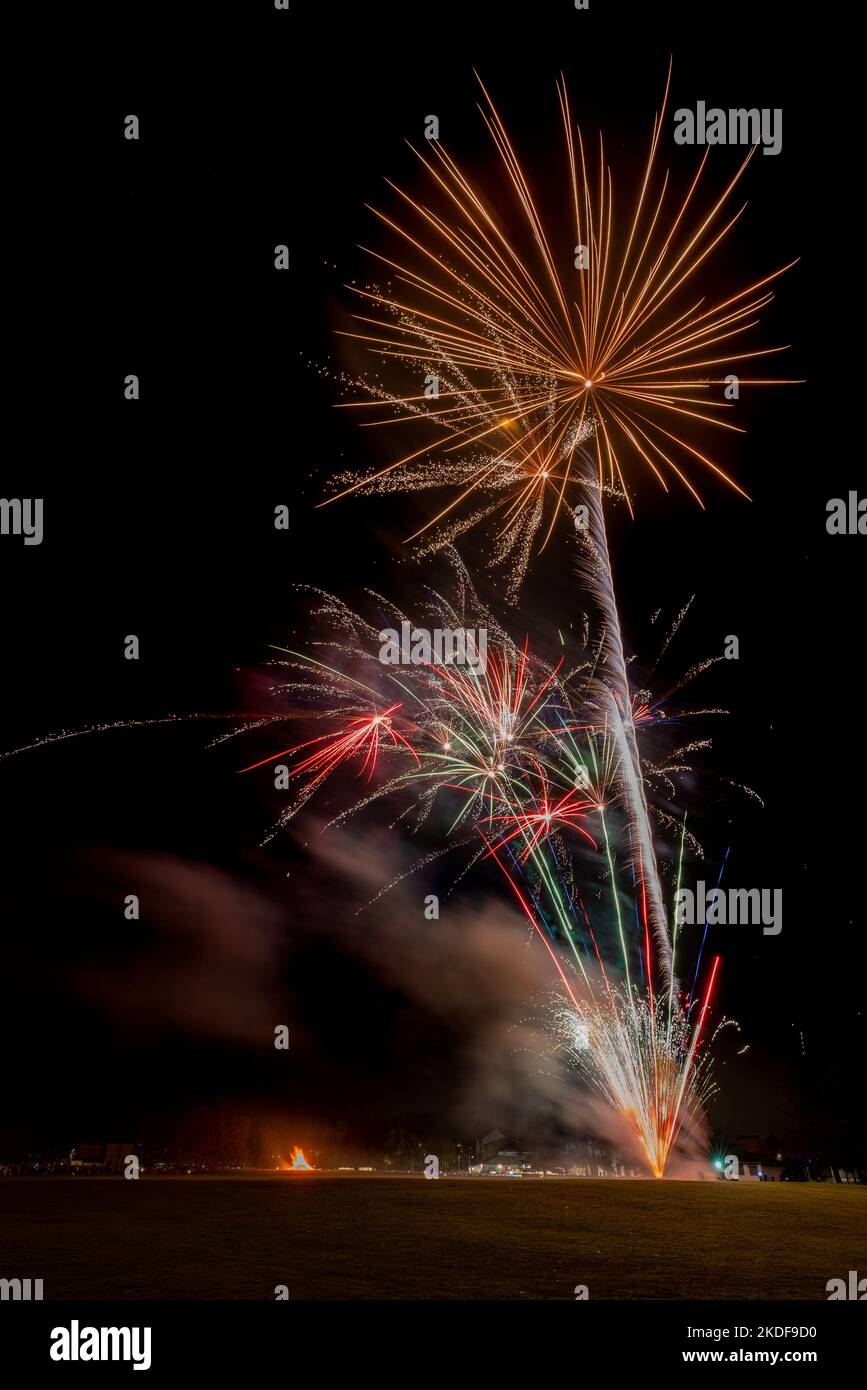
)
(611, 345)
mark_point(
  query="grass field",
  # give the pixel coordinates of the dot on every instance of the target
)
(404, 1238)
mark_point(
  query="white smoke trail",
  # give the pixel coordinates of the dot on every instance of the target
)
(610, 686)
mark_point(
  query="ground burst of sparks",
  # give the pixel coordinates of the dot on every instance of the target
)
(642, 1053)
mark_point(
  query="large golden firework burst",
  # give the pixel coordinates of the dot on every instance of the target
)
(526, 355)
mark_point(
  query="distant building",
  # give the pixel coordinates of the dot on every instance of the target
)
(99, 1158)
(756, 1171)
(760, 1158)
(856, 1175)
(499, 1155)
(490, 1144)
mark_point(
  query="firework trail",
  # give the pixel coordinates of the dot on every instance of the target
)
(612, 685)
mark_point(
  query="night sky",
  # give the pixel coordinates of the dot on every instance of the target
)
(158, 522)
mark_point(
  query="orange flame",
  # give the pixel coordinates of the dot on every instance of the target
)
(298, 1162)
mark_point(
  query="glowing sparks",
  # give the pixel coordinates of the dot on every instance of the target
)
(548, 813)
(360, 736)
(526, 758)
(645, 1057)
(534, 350)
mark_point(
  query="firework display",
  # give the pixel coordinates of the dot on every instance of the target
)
(524, 366)
(552, 379)
(518, 762)
(545, 392)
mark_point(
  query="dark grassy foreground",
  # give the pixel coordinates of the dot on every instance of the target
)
(329, 1238)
